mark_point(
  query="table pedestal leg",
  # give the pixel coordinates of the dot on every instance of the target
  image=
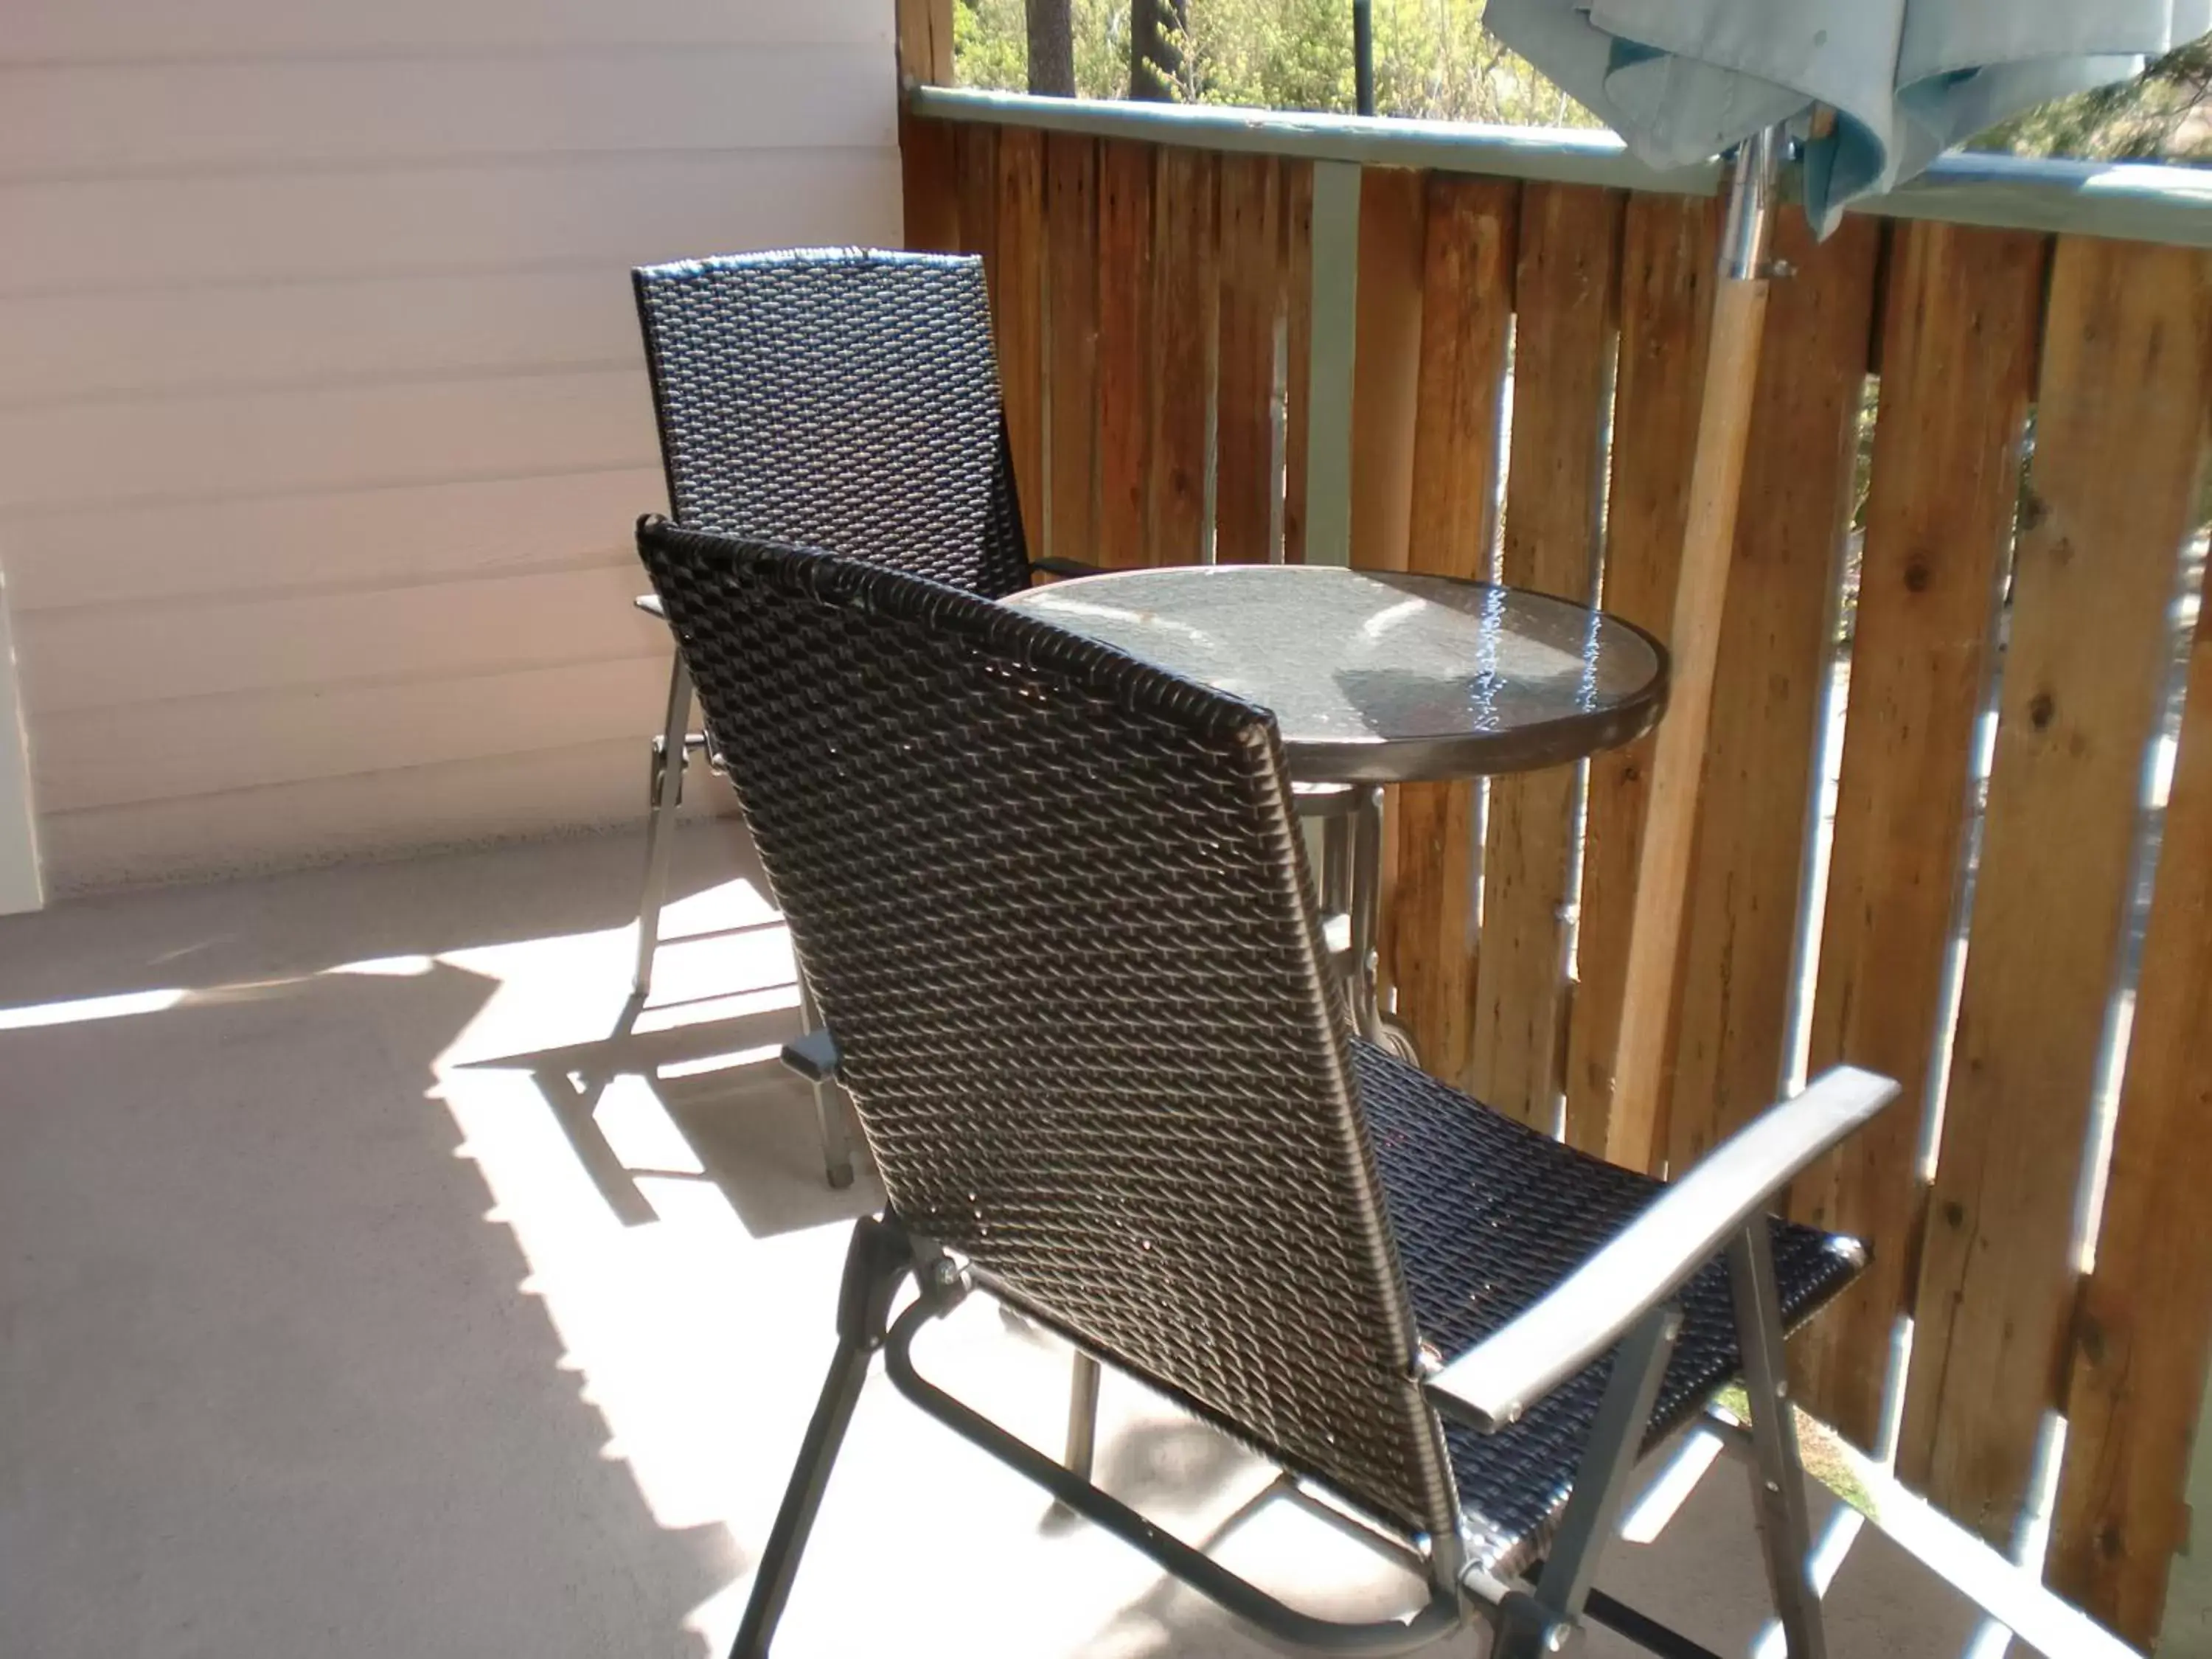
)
(1366, 903)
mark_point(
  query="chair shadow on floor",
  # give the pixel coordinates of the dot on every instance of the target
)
(711, 1063)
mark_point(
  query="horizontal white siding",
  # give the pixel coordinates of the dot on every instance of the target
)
(570, 212)
(69, 348)
(70, 32)
(331, 541)
(263, 117)
(323, 421)
(365, 814)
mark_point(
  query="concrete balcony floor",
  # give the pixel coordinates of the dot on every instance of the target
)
(362, 1296)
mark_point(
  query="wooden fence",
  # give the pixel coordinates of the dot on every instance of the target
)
(1526, 380)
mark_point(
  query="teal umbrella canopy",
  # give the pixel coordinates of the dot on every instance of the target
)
(1685, 80)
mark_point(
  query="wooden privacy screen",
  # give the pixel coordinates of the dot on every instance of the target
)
(1969, 929)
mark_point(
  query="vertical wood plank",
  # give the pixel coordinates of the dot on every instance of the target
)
(1668, 247)
(1072, 258)
(1186, 294)
(1298, 362)
(929, 187)
(2143, 1331)
(1566, 292)
(1960, 320)
(929, 191)
(2119, 431)
(1246, 488)
(975, 166)
(1386, 368)
(1466, 309)
(1020, 316)
(1741, 918)
(924, 29)
(1125, 352)
(1387, 321)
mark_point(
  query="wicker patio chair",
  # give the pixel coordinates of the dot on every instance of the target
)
(840, 398)
(1056, 911)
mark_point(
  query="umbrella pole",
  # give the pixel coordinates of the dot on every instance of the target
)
(1642, 1059)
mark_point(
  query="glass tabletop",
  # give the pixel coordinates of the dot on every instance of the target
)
(1382, 676)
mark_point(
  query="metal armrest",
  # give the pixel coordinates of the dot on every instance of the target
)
(1057, 567)
(1691, 1222)
(812, 1055)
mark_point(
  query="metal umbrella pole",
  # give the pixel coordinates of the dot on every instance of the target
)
(1363, 56)
(1700, 600)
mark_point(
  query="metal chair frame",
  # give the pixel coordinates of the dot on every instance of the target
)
(1530, 1616)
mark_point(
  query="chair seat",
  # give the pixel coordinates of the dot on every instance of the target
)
(1489, 1215)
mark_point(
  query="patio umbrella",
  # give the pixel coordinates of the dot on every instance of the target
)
(1683, 80)
(1876, 89)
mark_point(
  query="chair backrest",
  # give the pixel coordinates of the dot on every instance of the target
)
(1052, 905)
(837, 398)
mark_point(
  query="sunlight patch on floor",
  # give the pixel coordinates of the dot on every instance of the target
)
(701, 1345)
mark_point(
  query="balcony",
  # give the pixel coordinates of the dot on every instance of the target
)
(378, 1280)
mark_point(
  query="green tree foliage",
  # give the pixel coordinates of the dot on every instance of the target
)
(1432, 57)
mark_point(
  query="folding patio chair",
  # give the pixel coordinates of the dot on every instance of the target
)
(843, 398)
(1056, 911)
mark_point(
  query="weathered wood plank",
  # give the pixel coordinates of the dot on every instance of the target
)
(924, 29)
(1125, 352)
(1385, 399)
(1072, 346)
(2119, 426)
(1297, 221)
(1565, 290)
(1466, 309)
(1245, 484)
(1385, 394)
(928, 184)
(927, 156)
(1740, 923)
(975, 167)
(1386, 369)
(2143, 1333)
(1961, 316)
(1020, 317)
(1668, 245)
(1186, 303)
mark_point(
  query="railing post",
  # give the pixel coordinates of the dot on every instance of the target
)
(1329, 403)
(924, 44)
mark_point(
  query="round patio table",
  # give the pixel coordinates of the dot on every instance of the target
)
(1378, 677)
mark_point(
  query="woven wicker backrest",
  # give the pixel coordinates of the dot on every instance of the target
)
(837, 398)
(1052, 904)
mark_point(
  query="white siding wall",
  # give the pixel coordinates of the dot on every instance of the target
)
(322, 421)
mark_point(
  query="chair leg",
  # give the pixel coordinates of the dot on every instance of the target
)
(666, 794)
(1366, 899)
(829, 1110)
(1533, 1625)
(1785, 1533)
(1082, 1416)
(878, 1256)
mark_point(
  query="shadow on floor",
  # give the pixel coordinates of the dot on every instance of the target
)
(273, 1385)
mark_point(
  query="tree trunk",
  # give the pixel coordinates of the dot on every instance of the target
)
(1052, 49)
(1155, 52)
